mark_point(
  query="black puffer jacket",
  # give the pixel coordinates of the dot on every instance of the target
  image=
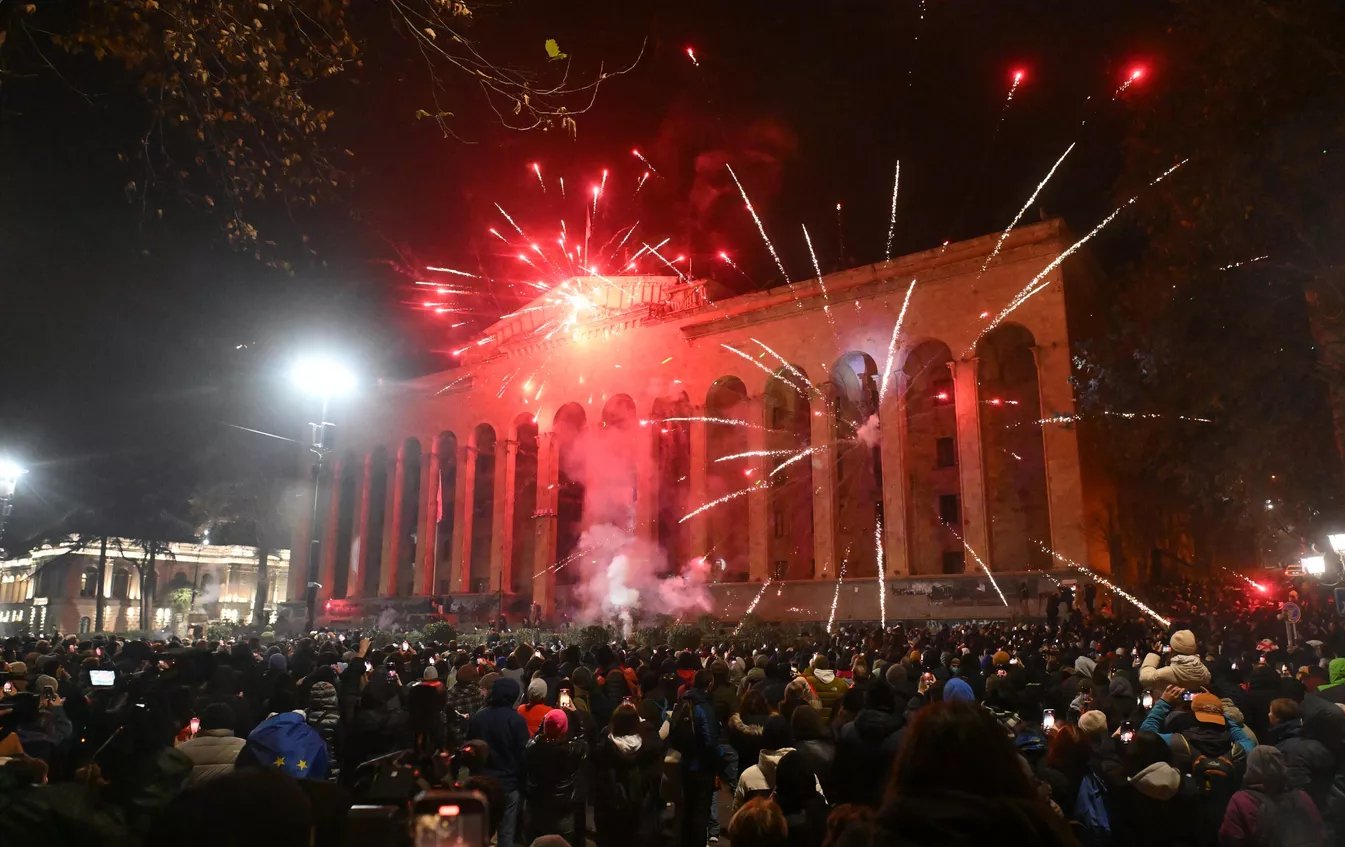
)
(323, 713)
(626, 774)
(865, 749)
(1310, 765)
(552, 774)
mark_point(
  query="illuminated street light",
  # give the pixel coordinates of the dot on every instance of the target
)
(1314, 565)
(1337, 540)
(327, 378)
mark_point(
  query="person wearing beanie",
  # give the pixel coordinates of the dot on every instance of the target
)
(1093, 724)
(553, 764)
(536, 708)
(215, 748)
(430, 673)
(956, 690)
(1184, 668)
(827, 687)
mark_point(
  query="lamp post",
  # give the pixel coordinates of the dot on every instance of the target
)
(10, 473)
(326, 379)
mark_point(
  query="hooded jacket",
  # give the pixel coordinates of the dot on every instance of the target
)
(829, 689)
(505, 733)
(1246, 822)
(1334, 690)
(553, 774)
(760, 778)
(1310, 766)
(626, 773)
(865, 749)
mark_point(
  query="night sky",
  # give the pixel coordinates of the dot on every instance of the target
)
(131, 338)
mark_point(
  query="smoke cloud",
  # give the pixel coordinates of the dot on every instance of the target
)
(622, 576)
(869, 433)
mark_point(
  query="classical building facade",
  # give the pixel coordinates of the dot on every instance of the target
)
(57, 586)
(632, 401)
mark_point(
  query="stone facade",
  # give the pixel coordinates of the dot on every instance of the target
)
(480, 480)
(56, 587)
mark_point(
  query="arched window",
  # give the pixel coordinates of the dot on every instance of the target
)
(568, 427)
(89, 586)
(121, 584)
(789, 530)
(727, 398)
(931, 460)
(85, 625)
(858, 463)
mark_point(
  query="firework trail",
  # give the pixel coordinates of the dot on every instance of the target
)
(1253, 583)
(826, 297)
(1097, 577)
(641, 183)
(752, 607)
(637, 154)
(840, 580)
(979, 561)
(454, 271)
(787, 365)
(537, 169)
(759, 366)
(562, 563)
(641, 251)
(670, 265)
(892, 343)
(882, 573)
(718, 421)
(760, 227)
(1244, 262)
(892, 218)
(798, 457)
(561, 180)
(511, 220)
(1036, 285)
(1018, 217)
(1136, 74)
(691, 54)
(751, 454)
(733, 495)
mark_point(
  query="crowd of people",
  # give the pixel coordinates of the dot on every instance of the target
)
(1097, 727)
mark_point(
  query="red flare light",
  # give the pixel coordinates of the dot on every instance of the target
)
(1018, 75)
(723, 255)
(691, 54)
(1137, 73)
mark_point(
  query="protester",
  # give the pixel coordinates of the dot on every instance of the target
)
(1266, 811)
(215, 748)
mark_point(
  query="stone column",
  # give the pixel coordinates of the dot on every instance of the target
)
(759, 501)
(545, 521)
(327, 561)
(823, 417)
(462, 524)
(646, 481)
(502, 532)
(1060, 444)
(392, 527)
(355, 580)
(426, 542)
(892, 448)
(975, 528)
(698, 487)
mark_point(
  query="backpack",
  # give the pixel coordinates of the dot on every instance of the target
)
(682, 728)
(1091, 819)
(1218, 776)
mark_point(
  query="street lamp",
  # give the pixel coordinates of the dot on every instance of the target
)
(326, 378)
(1337, 540)
(10, 473)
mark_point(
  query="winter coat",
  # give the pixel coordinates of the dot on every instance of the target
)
(1263, 686)
(829, 689)
(1184, 671)
(532, 716)
(213, 753)
(323, 711)
(820, 754)
(702, 754)
(552, 772)
(759, 780)
(626, 774)
(744, 733)
(865, 749)
(1310, 765)
(505, 733)
(1155, 806)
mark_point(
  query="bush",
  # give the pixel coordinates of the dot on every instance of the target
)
(379, 638)
(594, 635)
(221, 630)
(440, 631)
(684, 636)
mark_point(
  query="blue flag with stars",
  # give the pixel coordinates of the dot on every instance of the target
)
(285, 742)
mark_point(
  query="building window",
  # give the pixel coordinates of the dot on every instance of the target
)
(950, 513)
(89, 587)
(162, 616)
(230, 615)
(121, 584)
(778, 523)
(945, 451)
(85, 625)
(954, 561)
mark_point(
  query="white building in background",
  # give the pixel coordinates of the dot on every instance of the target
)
(57, 587)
